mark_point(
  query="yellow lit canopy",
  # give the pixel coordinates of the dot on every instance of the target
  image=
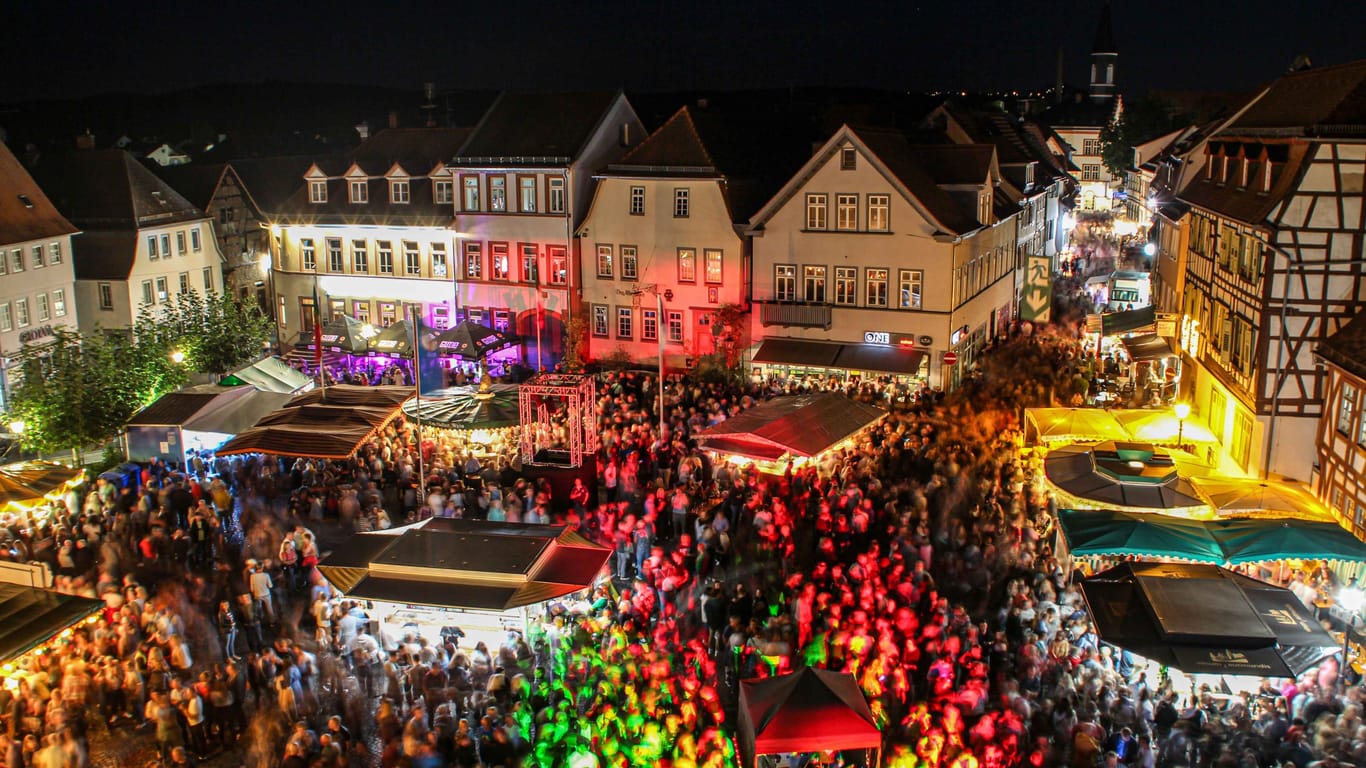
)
(30, 484)
(1162, 427)
(1249, 497)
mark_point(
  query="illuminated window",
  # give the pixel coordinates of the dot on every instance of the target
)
(360, 191)
(443, 192)
(398, 192)
(498, 193)
(317, 192)
(816, 208)
(559, 265)
(474, 261)
(785, 282)
(479, 316)
(471, 187)
(37, 257)
(555, 194)
(628, 262)
(649, 325)
(687, 265)
(531, 258)
(600, 320)
(412, 258)
(879, 209)
(637, 201)
(624, 321)
(846, 285)
(712, 267)
(526, 193)
(439, 267)
(909, 284)
(502, 320)
(682, 205)
(846, 212)
(813, 284)
(334, 255)
(59, 302)
(385, 254)
(307, 254)
(675, 326)
(876, 291)
(360, 260)
(498, 258)
(605, 270)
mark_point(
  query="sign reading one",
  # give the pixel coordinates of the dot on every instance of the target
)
(950, 358)
(877, 337)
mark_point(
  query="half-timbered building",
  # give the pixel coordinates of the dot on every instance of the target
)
(1273, 255)
(1341, 440)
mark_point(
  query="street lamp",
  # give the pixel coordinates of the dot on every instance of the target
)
(177, 357)
(1182, 411)
(1350, 599)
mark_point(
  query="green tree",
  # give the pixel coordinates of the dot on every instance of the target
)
(215, 332)
(1142, 120)
(79, 390)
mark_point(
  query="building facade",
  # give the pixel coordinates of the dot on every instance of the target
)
(1341, 436)
(1273, 234)
(879, 256)
(523, 182)
(37, 278)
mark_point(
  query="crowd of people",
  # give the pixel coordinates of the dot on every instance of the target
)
(917, 560)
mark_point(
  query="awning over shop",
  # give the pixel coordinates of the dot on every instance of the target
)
(30, 617)
(1113, 323)
(797, 425)
(328, 424)
(1052, 425)
(1262, 540)
(1107, 533)
(880, 359)
(812, 354)
(1147, 347)
(469, 564)
(30, 483)
(270, 374)
(1204, 619)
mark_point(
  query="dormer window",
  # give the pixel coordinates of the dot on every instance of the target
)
(1266, 176)
(1223, 169)
(360, 191)
(443, 192)
(398, 192)
(984, 209)
(317, 192)
(848, 159)
(26, 200)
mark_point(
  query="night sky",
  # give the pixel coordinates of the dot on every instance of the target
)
(57, 49)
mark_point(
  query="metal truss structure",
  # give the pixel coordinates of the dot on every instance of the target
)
(581, 418)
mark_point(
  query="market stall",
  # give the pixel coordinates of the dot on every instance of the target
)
(478, 575)
(1133, 477)
(29, 489)
(31, 618)
(199, 418)
(789, 430)
(1107, 533)
(270, 374)
(328, 423)
(808, 711)
(1066, 425)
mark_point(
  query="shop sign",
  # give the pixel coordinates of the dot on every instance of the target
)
(887, 338)
(957, 336)
(34, 334)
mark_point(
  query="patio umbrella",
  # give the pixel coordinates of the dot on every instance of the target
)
(1250, 497)
(1257, 541)
(1107, 533)
(491, 406)
(397, 339)
(1075, 424)
(1162, 427)
(472, 341)
(345, 334)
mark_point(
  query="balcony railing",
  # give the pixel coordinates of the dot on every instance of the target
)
(795, 314)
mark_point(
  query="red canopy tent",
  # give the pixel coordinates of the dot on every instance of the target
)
(811, 710)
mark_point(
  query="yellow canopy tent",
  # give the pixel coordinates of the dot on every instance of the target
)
(1234, 497)
(30, 484)
(1067, 425)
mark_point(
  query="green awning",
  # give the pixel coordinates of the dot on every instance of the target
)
(1105, 533)
(1262, 540)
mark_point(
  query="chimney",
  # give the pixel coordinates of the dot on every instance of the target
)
(393, 118)
(85, 140)
(363, 129)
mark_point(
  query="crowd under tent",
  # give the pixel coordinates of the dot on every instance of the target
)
(1068, 425)
(478, 575)
(31, 617)
(792, 429)
(271, 374)
(329, 423)
(1203, 619)
(199, 418)
(808, 711)
(1125, 476)
(1147, 348)
(29, 485)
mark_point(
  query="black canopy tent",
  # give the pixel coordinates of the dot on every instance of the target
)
(1205, 619)
(30, 617)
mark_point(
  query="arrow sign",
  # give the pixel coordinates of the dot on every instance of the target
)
(1037, 297)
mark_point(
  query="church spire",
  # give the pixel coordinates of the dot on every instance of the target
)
(1104, 57)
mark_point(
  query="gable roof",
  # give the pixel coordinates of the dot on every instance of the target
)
(1323, 102)
(269, 181)
(675, 146)
(416, 150)
(20, 220)
(196, 182)
(1248, 204)
(1347, 347)
(104, 254)
(110, 189)
(537, 128)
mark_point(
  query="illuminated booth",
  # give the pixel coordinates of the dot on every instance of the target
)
(325, 423)
(199, 418)
(34, 622)
(792, 430)
(1134, 477)
(480, 576)
(808, 711)
(30, 488)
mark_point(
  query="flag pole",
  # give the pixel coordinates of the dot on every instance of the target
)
(318, 338)
(417, 413)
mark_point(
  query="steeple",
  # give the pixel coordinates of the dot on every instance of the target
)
(1104, 56)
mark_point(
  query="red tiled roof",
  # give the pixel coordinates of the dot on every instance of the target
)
(20, 221)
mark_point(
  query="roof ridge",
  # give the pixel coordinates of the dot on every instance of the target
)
(692, 126)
